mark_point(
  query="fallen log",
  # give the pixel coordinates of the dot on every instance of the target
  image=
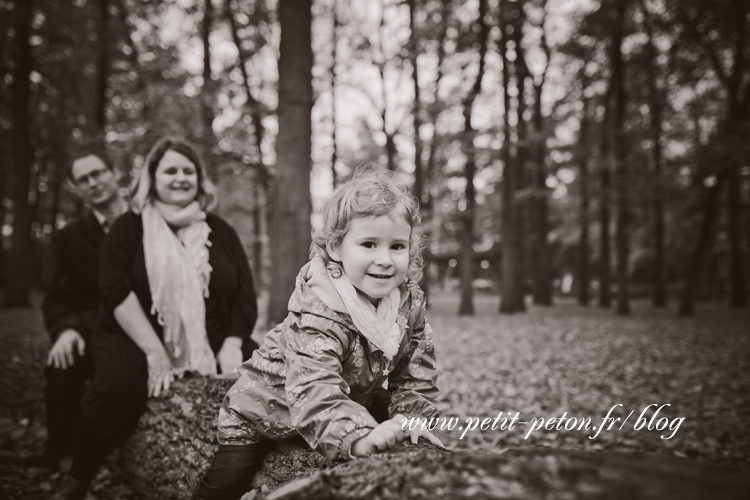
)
(518, 474)
(175, 440)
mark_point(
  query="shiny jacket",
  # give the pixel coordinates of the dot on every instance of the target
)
(316, 374)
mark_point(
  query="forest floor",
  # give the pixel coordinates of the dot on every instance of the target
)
(564, 361)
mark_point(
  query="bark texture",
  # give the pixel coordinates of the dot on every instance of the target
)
(175, 440)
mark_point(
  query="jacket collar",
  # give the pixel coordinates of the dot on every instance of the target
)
(314, 286)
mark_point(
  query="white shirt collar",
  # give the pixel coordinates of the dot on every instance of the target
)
(102, 220)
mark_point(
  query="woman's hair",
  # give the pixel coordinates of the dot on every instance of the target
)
(142, 189)
(372, 192)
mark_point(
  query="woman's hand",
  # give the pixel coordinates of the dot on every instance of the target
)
(160, 374)
(230, 355)
(383, 437)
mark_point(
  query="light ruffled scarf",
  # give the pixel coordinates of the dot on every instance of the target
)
(378, 326)
(178, 275)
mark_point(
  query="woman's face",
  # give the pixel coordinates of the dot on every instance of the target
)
(176, 179)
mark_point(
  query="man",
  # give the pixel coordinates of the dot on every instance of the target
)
(70, 307)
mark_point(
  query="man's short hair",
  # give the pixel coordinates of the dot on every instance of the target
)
(99, 153)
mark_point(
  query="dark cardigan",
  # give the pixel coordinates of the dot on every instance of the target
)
(231, 308)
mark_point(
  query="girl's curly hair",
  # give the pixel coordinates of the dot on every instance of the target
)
(371, 192)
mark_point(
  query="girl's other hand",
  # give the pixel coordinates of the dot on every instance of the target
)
(383, 437)
(230, 355)
(160, 374)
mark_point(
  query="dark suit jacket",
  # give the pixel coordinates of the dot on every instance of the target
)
(73, 297)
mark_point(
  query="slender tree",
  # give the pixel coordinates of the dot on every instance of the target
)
(19, 275)
(655, 115)
(720, 36)
(466, 262)
(512, 295)
(522, 240)
(134, 55)
(100, 113)
(416, 107)
(583, 150)
(207, 90)
(605, 186)
(290, 231)
(622, 234)
(334, 59)
(540, 213)
(251, 103)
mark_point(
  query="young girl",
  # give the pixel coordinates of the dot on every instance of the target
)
(355, 325)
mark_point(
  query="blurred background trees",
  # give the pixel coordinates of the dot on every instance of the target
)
(597, 149)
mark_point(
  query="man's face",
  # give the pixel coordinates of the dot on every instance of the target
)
(95, 183)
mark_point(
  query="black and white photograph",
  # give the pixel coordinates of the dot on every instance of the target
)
(374, 249)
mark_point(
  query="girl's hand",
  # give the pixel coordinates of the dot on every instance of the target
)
(429, 436)
(230, 355)
(160, 374)
(383, 437)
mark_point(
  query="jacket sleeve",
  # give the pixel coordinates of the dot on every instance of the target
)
(413, 381)
(116, 261)
(58, 307)
(244, 306)
(317, 395)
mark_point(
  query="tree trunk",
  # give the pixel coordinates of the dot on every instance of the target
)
(710, 209)
(605, 292)
(100, 113)
(334, 59)
(140, 82)
(207, 90)
(252, 103)
(175, 440)
(259, 218)
(512, 296)
(290, 233)
(542, 257)
(434, 146)
(660, 275)
(622, 234)
(584, 275)
(416, 107)
(262, 183)
(19, 268)
(543, 267)
(738, 297)
(411, 474)
(466, 264)
(522, 241)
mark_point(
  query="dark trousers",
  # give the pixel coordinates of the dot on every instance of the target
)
(233, 467)
(62, 400)
(113, 403)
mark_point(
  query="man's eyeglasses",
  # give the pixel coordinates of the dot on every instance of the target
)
(94, 175)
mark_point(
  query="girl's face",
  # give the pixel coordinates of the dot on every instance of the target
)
(375, 254)
(176, 179)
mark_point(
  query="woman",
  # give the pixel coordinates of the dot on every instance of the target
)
(178, 295)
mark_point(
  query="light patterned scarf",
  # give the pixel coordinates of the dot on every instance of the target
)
(178, 276)
(377, 325)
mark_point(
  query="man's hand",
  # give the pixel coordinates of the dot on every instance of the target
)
(230, 355)
(63, 352)
(383, 437)
(160, 374)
